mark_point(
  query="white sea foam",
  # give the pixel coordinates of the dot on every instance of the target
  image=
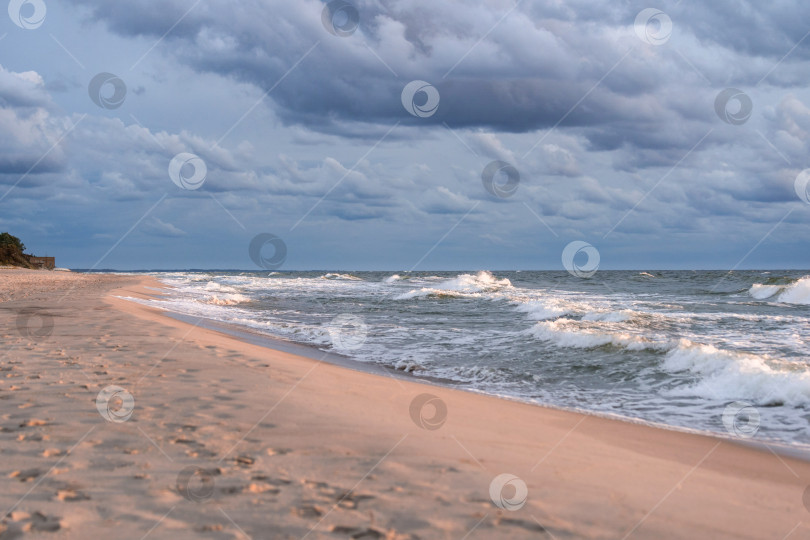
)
(550, 307)
(462, 285)
(761, 292)
(609, 316)
(226, 299)
(347, 277)
(392, 279)
(539, 310)
(797, 292)
(570, 333)
(736, 375)
(214, 286)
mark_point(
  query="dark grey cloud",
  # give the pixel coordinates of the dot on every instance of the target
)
(526, 75)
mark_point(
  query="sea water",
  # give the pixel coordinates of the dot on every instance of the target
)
(670, 347)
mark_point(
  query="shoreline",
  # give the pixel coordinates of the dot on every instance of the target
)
(314, 353)
(320, 451)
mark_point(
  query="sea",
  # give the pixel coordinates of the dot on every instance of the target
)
(706, 351)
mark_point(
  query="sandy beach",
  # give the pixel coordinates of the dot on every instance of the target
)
(227, 439)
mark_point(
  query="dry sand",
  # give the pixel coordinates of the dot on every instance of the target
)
(282, 446)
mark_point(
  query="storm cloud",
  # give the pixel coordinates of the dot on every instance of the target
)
(618, 139)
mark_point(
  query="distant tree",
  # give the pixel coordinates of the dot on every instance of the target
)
(7, 239)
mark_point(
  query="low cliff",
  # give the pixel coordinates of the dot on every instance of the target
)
(11, 252)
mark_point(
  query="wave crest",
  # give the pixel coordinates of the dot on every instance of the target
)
(346, 277)
(797, 292)
(564, 333)
(734, 375)
(226, 299)
(459, 286)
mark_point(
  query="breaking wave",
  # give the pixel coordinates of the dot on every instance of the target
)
(567, 333)
(731, 375)
(797, 292)
(226, 299)
(347, 277)
(460, 286)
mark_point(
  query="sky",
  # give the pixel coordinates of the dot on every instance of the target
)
(409, 135)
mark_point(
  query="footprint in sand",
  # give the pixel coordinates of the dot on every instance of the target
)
(18, 523)
(352, 500)
(272, 481)
(257, 488)
(36, 437)
(357, 532)
(341, 497)
(530, 526)
(71, 495)
(308, 511)
(244, 461)
(39, 522)
(26, 475)
(194, 448)
(34, 422)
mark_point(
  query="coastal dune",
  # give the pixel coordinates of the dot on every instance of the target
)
(120, 421)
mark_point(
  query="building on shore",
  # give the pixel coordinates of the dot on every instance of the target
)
(42, 263)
